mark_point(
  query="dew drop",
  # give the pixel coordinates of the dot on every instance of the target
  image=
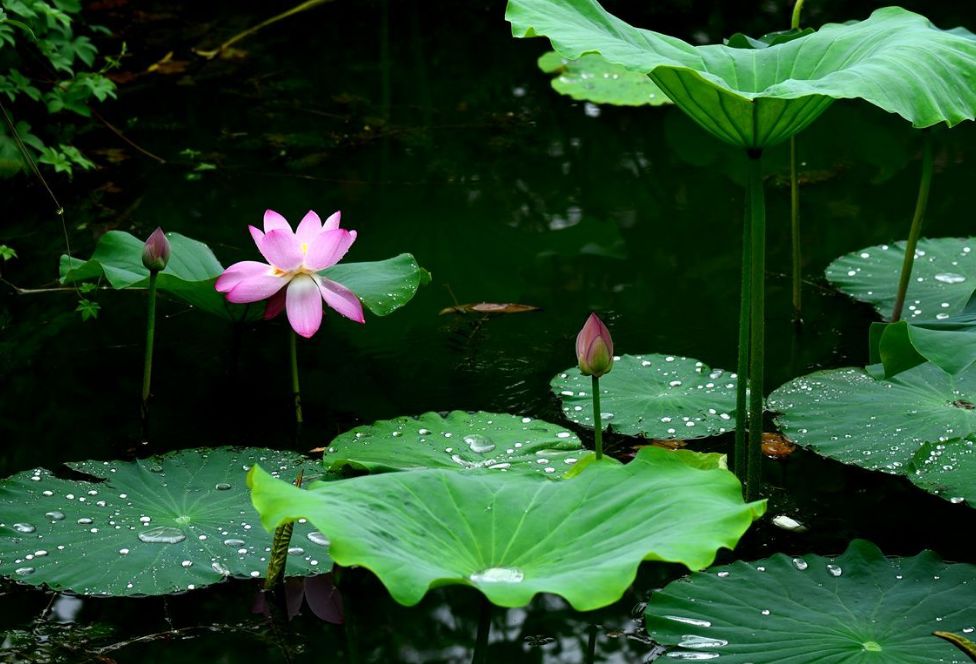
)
(498, 575)
(315, 537)
(162, 535)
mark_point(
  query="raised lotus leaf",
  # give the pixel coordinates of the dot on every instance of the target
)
(592, 78)
(757, 97)
(513, 536)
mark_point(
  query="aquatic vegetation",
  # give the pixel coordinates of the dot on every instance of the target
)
(514, 535)
(158, 525)
(857, 606)
(290, 280)
(758, 97)
(592, 78)
(594, 354)
(459, 441)
(897, 425)
(654, 396)
(155, 256)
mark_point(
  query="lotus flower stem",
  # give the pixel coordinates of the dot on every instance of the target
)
(757, 325)
(296, 389)
(742, 366)
(921, 203)
(795, 206)
(150, 341)
(597, 418)
(591, 644)
(484, 629)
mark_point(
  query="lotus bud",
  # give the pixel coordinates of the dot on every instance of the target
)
(594, 348)
(155, 255)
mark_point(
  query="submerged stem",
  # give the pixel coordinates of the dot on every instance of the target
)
(597, 419)
(296, 389)
(924, 185)
(742, 365)
(484, 629)
(150, 341)
(591, 644)
(757, 210)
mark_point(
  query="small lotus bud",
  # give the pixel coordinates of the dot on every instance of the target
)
(155, 255)
(594, 348)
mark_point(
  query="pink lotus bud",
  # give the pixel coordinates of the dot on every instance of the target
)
(594, 348)
(155, 255)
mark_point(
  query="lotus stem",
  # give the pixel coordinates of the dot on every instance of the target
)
(795, 206)
(591, 644)
(150, 341)
(484, 629)
(296, 389)
(795, 235)
(921, 203)
(757, 331)
(742, 366)
(278, 558)
(597, 419)
(304, 6)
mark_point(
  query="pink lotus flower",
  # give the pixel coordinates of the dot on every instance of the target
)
(594, 348)
(290, 279)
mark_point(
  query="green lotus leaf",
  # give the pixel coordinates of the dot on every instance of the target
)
(459, 440)
(512, 536)
(950, 344)
(876, 423)
(858, 607)
(754, 98)
(189, 275)
(653, 396)
(943, 277)
(382, 286)
(592, 78)
(159, 525)
(947, 469)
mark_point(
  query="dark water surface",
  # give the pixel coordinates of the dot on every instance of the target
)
(434, 133)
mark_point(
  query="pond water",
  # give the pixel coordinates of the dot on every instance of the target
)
(434, 133)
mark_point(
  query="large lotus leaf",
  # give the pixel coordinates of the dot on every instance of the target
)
(458, 441)
(896, 60)
(947, 469)
(150, 527)
(592, 78)
(877, 423)
(856, 608)
(512, 536)
(189, 275)
(382, 286)
(654, 396)
(950, 344)
(943, 277)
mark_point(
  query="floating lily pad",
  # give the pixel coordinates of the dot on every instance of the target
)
(592, 78)
(947, 469)
(877, 423)
(855, 608)
(943, 277)
(458, 441)
(150, 527)
(515, 535)
(382, 286)
(654, 396)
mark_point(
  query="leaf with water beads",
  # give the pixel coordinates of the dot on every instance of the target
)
(943, 277)
(159, 525)
(459, 440)
(855, 608)
(654, 396)
(512, 536)
(592, 78)
(878, 424)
